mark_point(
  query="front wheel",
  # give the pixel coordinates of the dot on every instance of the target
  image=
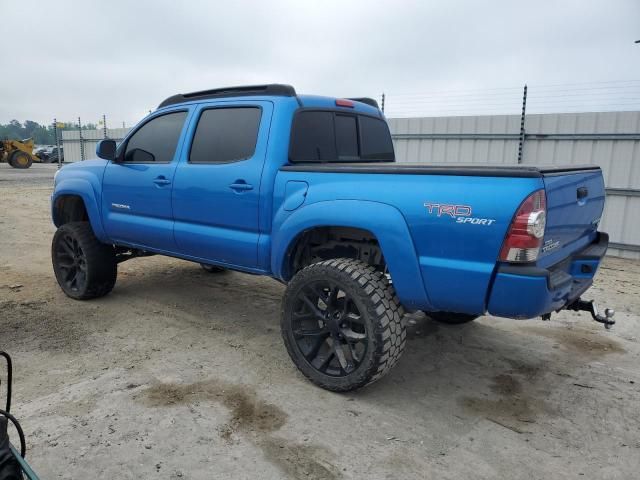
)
(20, 159)
(84, 267)
(342, 324)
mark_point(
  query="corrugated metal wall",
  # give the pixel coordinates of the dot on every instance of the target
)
(609, 139)
(90, 138)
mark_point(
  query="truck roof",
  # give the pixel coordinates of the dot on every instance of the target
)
(363, 104)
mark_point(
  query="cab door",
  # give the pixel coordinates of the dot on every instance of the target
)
(216, 192)
(136, 188)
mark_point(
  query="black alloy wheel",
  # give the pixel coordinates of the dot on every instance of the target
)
(329, 329)
(84, 267)
(72, 263)
(342, 324)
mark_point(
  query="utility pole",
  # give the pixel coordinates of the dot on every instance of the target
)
(55, 132)
(522, 117)
(383, 102)
(81, 140)
(104, 126)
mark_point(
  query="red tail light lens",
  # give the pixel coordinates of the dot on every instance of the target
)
(526, 231)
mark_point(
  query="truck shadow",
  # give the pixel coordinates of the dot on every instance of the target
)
(505, 371)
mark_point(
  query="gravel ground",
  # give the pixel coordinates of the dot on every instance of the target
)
(182, 374)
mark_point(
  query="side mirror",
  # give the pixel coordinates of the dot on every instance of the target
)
(106, 149)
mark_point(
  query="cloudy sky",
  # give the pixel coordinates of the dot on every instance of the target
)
(121, 58)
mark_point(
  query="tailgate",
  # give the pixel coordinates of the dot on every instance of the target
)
(575, 200)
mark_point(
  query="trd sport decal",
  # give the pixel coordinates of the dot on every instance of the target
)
(460, 213)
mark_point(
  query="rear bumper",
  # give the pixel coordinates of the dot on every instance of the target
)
(521, 291)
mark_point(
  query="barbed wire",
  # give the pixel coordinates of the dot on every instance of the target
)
(614, 95)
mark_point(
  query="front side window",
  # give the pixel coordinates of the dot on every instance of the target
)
(156, 140)
(226, 135)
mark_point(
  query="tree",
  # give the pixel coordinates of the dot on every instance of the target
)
(41, 134)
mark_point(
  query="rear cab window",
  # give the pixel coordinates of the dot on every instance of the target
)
(336, 136)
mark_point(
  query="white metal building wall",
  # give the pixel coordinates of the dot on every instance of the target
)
(71, 142)
(608, 139)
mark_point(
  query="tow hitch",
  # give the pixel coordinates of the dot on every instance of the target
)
(590, 306)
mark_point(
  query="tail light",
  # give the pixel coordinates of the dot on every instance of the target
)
(343, 102)
(526, 231)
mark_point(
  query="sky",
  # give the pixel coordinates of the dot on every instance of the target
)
(66, 59)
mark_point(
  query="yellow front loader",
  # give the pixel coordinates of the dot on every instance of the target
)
(18, 154)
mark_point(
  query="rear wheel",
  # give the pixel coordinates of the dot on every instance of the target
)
(20, 159)
(451, 318)
(84, 267)
(342, 324)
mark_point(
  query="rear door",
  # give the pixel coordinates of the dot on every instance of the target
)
(216, 193)
(136, 190)
(575, 200)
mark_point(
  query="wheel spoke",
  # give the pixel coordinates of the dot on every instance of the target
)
(345, 357)
(345, 306)
(352, 336)
(314, 308)
(352, 317)
(73, 282)
(67, 248)
(315, 349)
(70, 274)
(80, 278)
(311, 333)
(333, 295)
(299, 316)
(72, 244)
(321, 363)
(65, 265)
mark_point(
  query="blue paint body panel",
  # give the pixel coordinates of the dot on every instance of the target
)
(436, 262)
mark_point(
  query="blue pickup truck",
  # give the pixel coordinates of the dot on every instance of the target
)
(305, 189)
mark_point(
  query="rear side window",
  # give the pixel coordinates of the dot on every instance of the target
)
(156, 140)
(312, 137)
(330, 136)
(225, 135)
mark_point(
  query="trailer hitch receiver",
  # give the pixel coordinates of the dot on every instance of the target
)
(590, 306)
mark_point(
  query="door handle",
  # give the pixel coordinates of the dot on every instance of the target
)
(161, 181)
(239, 186)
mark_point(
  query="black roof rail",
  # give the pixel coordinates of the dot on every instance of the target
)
(247, 90)
(367, 100)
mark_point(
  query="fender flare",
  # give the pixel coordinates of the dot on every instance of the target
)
(384, 221)
(82, 188)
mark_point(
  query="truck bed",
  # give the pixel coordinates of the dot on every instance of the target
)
(484, 170)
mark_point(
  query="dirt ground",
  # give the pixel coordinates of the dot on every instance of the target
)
(182, 374)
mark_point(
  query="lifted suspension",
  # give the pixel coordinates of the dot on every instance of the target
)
(590, 306)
